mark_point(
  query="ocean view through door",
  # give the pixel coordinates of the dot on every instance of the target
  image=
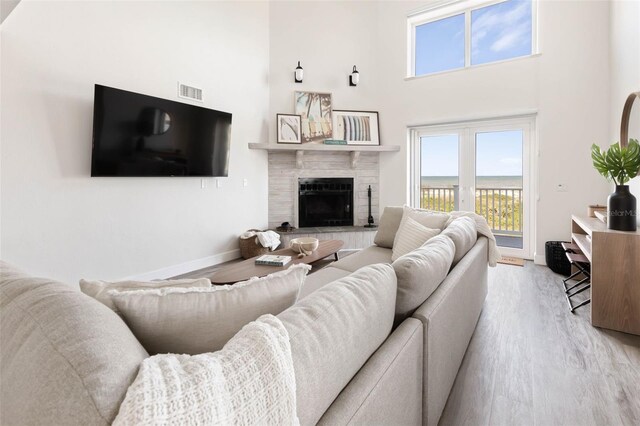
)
(481, 167)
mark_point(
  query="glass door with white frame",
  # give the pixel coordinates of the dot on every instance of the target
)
(482, 167)
(499, 183)
(439, 171)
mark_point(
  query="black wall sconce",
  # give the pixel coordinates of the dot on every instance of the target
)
(354, 78)
(298, 74)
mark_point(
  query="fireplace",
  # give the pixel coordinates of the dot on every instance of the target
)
(325, 202)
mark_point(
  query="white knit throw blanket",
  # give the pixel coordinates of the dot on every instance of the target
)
(250, 381)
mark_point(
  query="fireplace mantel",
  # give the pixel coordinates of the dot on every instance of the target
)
(300, 149)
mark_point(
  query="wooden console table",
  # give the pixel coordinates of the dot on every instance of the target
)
(615, 273)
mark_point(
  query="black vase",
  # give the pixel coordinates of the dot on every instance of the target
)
(621, 210)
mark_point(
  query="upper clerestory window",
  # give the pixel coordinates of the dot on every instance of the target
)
(461, 34)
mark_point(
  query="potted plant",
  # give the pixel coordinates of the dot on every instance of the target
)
(619, 164)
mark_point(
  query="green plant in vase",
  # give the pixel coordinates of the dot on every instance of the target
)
(619, 164)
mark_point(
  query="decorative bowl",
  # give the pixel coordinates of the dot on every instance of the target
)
(305, 245)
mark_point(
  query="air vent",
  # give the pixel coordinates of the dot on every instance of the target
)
(189, 92)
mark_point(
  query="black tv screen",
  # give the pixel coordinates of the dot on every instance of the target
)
(139, 135)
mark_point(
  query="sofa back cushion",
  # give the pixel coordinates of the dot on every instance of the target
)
(420, 272)
(464, 234)
(198, 320)
(99, 290)
(388, 226)
(333, 332)
(65, 358)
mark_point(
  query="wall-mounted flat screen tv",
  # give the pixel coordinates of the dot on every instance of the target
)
(139, 135)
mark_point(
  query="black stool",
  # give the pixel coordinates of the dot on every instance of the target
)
(583, 266)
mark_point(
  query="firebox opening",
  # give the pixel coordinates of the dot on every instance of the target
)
(325, 202)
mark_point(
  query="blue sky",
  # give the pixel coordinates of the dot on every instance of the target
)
(497, 154)
(440, 45)
(500, 31)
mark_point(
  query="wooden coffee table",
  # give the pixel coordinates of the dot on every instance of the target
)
(246, 269)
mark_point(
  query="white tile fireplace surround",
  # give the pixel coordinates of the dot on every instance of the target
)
(284, 173)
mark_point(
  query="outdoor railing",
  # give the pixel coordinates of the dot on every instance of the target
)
(502, 207)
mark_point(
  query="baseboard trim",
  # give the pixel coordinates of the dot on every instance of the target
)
(539, 259)
(183, 268)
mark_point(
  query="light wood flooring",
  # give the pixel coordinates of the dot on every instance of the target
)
(532, 362)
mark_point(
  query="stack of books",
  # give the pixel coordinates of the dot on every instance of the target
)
(273, 260)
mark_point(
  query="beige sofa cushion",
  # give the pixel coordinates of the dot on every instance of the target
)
(334, 331)
(99, 289)
(199, 320)
(420, 272)
(320, 279)
(464, 233)
(388, 226)
(410, 236)
(364, 257)
(64, 357)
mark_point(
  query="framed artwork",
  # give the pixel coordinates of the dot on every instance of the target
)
(288, 128)
(356, 127)
(315, 115)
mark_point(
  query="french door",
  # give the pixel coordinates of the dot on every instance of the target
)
(483, 167)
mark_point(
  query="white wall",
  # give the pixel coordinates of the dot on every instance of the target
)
(625, 70)
(6, 7)
(566, 84)
(59, 222)
(328, 38)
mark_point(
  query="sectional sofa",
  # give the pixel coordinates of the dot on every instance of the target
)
(435, 336)
(361, 354)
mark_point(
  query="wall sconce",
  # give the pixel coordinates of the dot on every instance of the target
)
(354, 78)
(298, 74)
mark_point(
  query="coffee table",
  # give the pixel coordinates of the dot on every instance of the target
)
(246, 269)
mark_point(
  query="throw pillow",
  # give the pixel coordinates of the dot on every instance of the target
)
(428, 218)
(420, 272)
(464, 233)
(99, 289)
(410, 236)
(199, 320)
(388, 226)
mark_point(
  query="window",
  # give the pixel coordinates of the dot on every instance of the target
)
(441, 44)
(468, 33)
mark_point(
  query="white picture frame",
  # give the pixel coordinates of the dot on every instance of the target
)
(356, 127)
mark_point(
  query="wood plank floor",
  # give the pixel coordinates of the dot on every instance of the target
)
(532, 362)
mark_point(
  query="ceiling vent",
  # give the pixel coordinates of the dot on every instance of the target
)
(189, 92)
